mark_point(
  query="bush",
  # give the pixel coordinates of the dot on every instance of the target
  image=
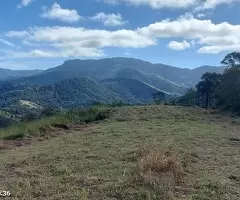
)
(160, 170)
(14, 136)
(5, 122)
(48, 112)
(87, 116)
(30, 117)
(118, 104)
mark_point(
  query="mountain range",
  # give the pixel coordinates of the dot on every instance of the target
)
(78, 83)
(6, 74)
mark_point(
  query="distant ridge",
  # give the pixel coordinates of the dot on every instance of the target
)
(11, 74)
(78, 83)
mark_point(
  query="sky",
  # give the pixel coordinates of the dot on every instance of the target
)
(39, 34)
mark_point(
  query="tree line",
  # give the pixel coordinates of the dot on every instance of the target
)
(217, 90)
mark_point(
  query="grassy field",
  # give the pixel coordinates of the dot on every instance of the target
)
(145, 153)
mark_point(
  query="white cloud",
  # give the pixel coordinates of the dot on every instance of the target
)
(45, 53)
(70, 41)
(7, 43)
(178, 46)
(24, 3)
(58, 13)
(109, 19)
(17, 34)
(156, 4)
(218, 36)
(57, 41)
(214, 3)
(201, 15)
(12, 65)
(218, 48)
(159, 4)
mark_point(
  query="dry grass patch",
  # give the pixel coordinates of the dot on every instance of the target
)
(160, 170)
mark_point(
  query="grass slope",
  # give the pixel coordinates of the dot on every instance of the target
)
(145, 152)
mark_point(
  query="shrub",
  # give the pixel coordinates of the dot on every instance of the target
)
(14, 136)
(118, 104)
(30, 117)
(5, 122)
(160, 170)
(86, 115)
(47, 112)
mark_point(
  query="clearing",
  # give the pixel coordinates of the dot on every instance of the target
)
(142, 152)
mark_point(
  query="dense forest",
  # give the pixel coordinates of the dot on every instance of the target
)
(215, 90)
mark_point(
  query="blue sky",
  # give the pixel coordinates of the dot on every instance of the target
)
(183, 33)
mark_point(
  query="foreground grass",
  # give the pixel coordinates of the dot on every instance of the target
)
(44, 125)
(151, 152)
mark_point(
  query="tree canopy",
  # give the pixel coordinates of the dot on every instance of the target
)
(232, 59)
(220, 90)
(158, 97)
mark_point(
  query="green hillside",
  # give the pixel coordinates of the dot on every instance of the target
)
(131, 90)
(76, 92)
(144, 152)
(167, 78)
(69, 93)
(152, 80)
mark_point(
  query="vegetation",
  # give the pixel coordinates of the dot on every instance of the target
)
(158, 97)
(189, 99)
(142, 152)
(80, 83)
(33, 127)
(5, 122)
(207, 87)
(71, 93)
(218, 90)
(114, 150)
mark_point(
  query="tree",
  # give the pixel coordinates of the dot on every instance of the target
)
(5, 122)
(30, 117)
(208, 86)
(189, 99)
(49, 111)
(158, 97)
(229, 95)
(232, 60)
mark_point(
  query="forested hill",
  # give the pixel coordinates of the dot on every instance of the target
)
(78, 92)
(109, 67)
(217, 90)
(164, 77)
(78, 83)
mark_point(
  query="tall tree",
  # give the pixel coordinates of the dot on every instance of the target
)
(232, 60)
(158, 97)
(208, 86)
(229, 96)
